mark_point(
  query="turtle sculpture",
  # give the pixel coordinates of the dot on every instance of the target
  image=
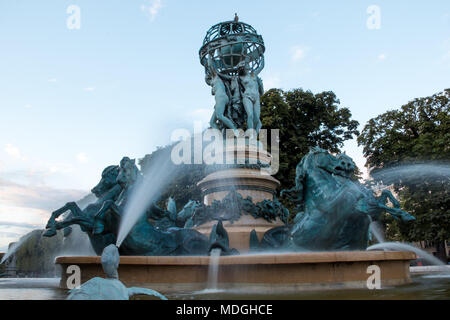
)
(110, 288)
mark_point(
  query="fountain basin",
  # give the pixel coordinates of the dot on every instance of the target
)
(286, 272)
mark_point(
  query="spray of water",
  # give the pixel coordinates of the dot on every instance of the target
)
(13, 248)
(405, 173)
(147, 190)
(412, 172)
(397, 246)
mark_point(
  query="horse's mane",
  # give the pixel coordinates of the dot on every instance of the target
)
(109, 169)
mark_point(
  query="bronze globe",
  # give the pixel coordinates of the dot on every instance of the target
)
(230, 43)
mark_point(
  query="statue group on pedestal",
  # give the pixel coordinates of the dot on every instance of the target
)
(233, 56)
(237, 97)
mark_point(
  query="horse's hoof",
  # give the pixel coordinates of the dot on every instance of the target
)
(50, 225)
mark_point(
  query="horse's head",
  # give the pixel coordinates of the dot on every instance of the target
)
(128, 173)
(344, 166)
(341, 164)
(188, 210)
(320, 158)
(109, 176)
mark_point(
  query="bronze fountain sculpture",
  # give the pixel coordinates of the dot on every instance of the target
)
(240, 208)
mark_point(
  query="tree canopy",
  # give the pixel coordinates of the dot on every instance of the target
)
(409, 148)
(305, 120)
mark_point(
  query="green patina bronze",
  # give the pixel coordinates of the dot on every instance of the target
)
(233, 206)
(233, 56)
(334, 210)
(109, 288)
(158, 232)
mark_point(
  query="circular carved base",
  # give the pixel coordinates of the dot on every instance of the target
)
(249, 182)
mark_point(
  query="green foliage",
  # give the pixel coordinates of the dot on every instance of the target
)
(418, 134)
(305, 120)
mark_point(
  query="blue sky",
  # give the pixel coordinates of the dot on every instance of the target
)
(75, 101)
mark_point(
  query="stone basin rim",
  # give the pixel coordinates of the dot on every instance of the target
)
(249, 259)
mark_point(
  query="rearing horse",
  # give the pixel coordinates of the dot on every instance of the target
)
(106, 190)
(145, 238)
(336, 210)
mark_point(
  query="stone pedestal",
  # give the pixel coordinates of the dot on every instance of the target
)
(276, 273)
(248, 175)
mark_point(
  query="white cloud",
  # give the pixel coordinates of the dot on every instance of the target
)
(152, 9)
(52, 80)
(39, 197)
(382, 56)
(89, 89)
(27, 204)
(298, 53)
(28, 106)
(13, 152)
(25, 225)
(82, 157)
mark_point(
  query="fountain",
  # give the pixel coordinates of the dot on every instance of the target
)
(239, 237)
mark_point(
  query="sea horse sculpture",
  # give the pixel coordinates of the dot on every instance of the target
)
(106, 190)
(145, 238)
(335, 210)
(156, 232)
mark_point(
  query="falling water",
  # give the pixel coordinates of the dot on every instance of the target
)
(213, 270)
(377, 232)
(407, 247)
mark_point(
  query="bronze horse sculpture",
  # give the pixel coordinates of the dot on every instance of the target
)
(334, 209)
(101, 219)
